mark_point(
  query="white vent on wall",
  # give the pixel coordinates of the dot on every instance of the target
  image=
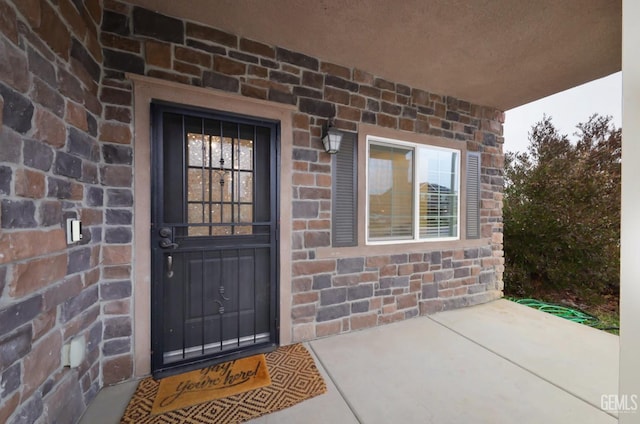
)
(73, 352)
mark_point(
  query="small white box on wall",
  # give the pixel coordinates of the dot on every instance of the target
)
(74, 230)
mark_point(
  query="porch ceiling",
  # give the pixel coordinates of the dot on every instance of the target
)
(501, 53)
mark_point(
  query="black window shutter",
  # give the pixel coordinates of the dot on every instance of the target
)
(344, 229)
(473, 195)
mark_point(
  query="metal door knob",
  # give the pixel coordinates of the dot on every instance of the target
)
(166, 243)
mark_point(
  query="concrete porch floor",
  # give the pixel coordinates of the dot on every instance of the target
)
(494, 363)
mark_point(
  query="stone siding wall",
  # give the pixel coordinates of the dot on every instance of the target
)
(339, 295)
(330, 295)
(66, 150)
(51, 168)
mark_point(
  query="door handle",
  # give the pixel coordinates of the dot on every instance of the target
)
(165, 238)
(169, 266)
(166, 243)
(221, 291)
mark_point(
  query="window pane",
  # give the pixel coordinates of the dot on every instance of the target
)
(244, 155)
(390, 192)
(197, 214)
(197, 185)
(198, 149)
(245, 214)
(220, 177)
(227, 147)
(221, 214)
(245, 186)
(438, 193)
(216, 151)
(226, 186)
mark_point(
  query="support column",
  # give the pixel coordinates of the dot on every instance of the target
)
(630, 234)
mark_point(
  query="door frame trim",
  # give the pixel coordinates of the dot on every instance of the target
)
(145, 90)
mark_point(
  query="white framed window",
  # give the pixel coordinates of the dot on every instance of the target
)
(413, 192)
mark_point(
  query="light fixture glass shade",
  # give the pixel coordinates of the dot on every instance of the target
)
(331, 140)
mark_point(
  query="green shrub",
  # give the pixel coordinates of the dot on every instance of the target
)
(562, 211)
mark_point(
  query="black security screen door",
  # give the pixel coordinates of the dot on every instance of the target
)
(213, 238)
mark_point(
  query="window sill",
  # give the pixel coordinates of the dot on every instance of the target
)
(396, 248)
(411, 241)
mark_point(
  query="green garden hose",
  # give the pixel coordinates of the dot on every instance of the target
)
(565, 312)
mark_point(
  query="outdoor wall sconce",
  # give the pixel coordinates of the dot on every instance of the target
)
(331, 139)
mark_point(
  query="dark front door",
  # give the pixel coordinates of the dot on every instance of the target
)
(213, 238)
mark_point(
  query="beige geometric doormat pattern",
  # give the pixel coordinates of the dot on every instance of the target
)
(294, 378)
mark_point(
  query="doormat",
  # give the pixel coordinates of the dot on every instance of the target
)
(214, 382)
(294, 378)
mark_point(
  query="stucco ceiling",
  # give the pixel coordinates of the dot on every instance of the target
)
(501, 53)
